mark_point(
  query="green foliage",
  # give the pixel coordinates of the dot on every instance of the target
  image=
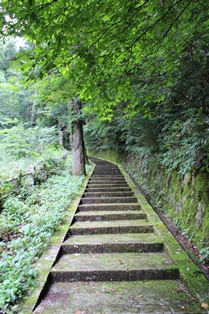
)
(175, 130)
(15, 99)
(21, 147)
(142, 67)
(29, 213)
(204, 252)
(129, 52)
(27, 223)
(103, 135)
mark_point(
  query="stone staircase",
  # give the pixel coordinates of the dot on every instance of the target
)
(111, 249)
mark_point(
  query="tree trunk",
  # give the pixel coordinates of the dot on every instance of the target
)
(61, 136)
(77, 141)
(33, 109)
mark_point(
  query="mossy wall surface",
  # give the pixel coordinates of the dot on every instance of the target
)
(185, 199)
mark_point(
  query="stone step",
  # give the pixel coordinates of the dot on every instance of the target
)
(107, 182)
(108, 185)
(109, 215)
(105, 243)
(109, 207)
(108, 194)
(107, 177)
(109, 166)
(145, 297)
(107, 200)
(107, 189)
(118, 226)
(114, 267)
(106, 172)
(106, 165)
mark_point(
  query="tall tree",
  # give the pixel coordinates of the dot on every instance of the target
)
(77, 140)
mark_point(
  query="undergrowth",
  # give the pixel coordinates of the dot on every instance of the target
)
(27, 223)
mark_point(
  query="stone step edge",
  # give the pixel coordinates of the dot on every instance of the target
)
(108, 200)
(109, 189)
(108, 207)
(108, 216)
(115, 275)
(90, 194)
(110, 212)
(123, 247)
(110, 230)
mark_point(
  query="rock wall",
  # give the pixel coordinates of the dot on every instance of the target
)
(185, 199)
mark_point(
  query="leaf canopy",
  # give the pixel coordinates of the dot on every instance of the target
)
(110, 51)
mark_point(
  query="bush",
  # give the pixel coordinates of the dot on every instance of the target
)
(27, 224)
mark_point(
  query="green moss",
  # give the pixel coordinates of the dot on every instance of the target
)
(115, 157)
(180, 197)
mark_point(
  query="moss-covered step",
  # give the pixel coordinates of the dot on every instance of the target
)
(106, 171)
(112, 182)
(109, 170)
(109, 207)
(106, 243)
(165, 297)
(119, 226)
(107, 176)
(108, 189)
(108, 200)
(117, 193)
(109, 215)
(114, 267)
(108, 184)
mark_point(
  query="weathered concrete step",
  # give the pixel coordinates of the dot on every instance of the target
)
(107, 200)
(108, 185)
(107, 189)
(106, 172)
(149, 297)
(114, 267)
(105, 243)
(109, 182)
(107, 177)
(109, 215)
(107, 166)
(109, 207)
(108, 194)
(118, 226)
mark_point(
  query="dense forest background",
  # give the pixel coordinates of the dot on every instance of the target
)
(141, 72)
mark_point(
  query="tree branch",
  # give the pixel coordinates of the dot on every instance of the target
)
(157, 21)
(45, 5)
